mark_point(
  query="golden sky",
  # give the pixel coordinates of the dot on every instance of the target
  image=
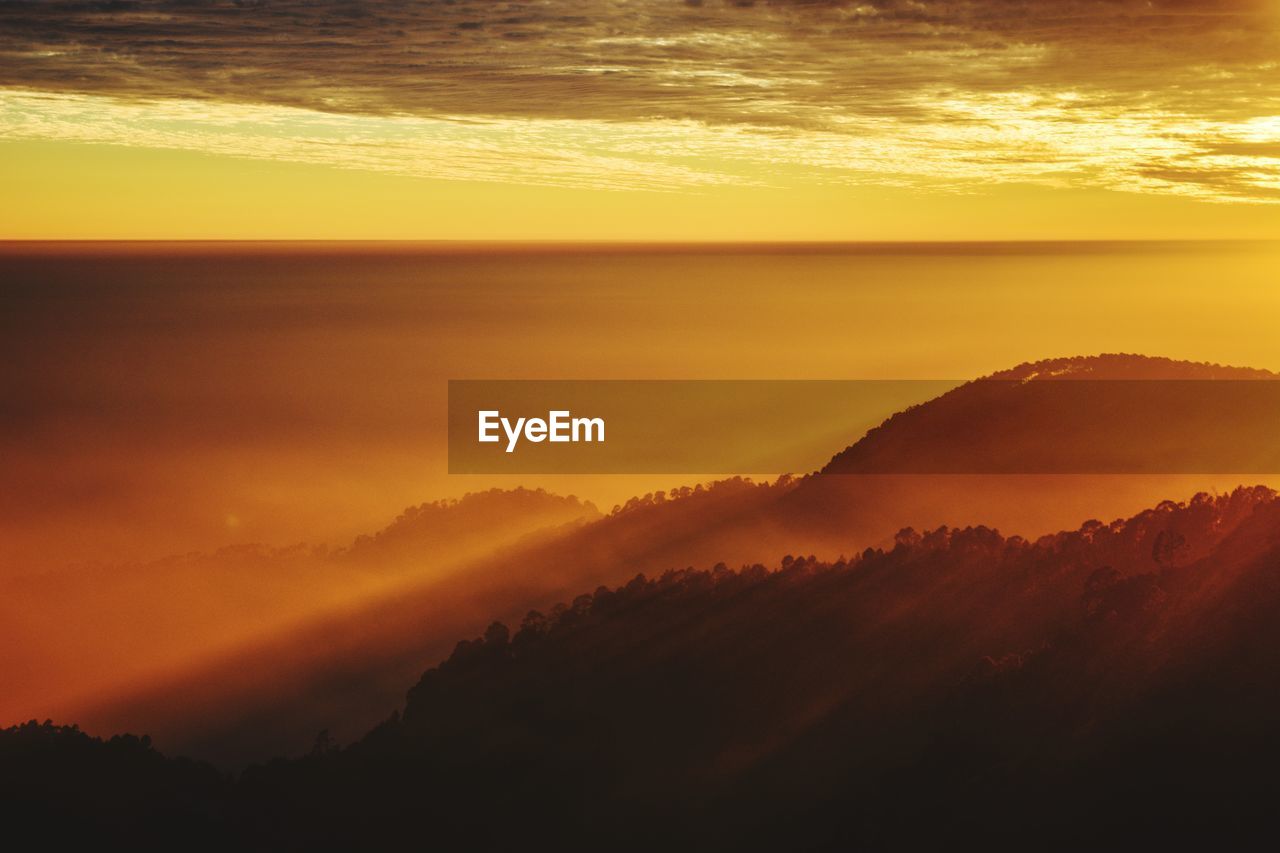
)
(643, 120)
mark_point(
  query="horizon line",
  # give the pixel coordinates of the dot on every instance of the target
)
(11, 245)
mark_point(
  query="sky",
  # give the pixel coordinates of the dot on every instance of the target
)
(641, 120)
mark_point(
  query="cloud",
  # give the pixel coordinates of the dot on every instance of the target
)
(856, 85)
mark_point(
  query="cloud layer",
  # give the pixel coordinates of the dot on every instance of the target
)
(1172, 95)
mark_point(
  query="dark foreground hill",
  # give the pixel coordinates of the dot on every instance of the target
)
(1111, 687)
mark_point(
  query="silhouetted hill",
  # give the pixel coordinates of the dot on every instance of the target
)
(60, 786)
(1086, 688)
(476, 522)
(1110, 687)
(340, 671)
(1037, 447)
(1111, 413)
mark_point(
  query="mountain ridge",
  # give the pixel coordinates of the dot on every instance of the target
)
(1048, 427)
(814, 705)
(345, 671)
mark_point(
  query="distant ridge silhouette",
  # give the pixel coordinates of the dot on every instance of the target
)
(1110, 413)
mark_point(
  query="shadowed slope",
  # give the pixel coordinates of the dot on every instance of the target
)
(340, 671)
(1088, 688)
(1105, 687)
(137, 622)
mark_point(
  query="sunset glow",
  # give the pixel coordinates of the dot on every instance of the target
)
(644, 120)
(731, 426)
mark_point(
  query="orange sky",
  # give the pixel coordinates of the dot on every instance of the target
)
(649, 120)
